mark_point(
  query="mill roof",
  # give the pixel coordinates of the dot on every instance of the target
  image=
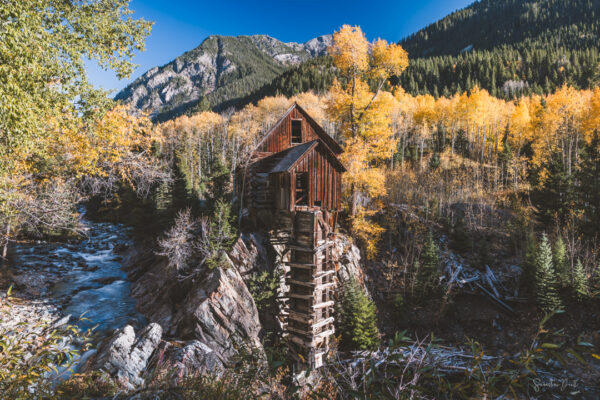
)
(285, 160)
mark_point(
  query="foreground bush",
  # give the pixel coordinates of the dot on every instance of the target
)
(33, 356)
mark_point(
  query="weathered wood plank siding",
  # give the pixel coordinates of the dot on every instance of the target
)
(322, 179)
(280, 138)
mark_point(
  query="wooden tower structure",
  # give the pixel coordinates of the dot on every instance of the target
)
(292, 187)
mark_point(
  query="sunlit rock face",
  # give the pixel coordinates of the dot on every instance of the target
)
(222, 68)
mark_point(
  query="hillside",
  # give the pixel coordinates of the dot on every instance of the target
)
(217, 72)
(539, 46)
(489, 24)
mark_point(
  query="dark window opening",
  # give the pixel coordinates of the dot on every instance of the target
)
(296, 131)
(302, 188)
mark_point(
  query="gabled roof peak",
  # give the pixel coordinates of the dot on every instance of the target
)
(325, 138)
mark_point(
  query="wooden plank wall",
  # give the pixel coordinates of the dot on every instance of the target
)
(280, 138)
(324, 180)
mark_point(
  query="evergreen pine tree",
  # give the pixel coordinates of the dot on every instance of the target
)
(219, 184)
(428, 273)
(559, 260)
(579, 282)
(556, 196)
(545, 279)
(356, 318)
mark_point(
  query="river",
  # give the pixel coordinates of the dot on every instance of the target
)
(84, 278)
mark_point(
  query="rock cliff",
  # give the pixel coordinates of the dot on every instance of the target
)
(220, 70)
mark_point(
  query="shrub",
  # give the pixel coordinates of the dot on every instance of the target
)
(263, 288)
(32, 355)
(177, 245)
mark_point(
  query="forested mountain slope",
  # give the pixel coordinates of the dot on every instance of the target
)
(217, 72)
(488, 24)
(508, 47)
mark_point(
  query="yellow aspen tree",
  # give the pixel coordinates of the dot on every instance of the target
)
(425, 119)
(364, 116)
(521, 129)
(561, 125)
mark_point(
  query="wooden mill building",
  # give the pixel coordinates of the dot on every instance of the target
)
(292, 187)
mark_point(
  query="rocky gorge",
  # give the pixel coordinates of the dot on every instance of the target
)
(144, 317)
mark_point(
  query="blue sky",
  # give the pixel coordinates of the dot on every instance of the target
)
(182, 25)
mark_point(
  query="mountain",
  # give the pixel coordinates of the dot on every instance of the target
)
(216, 73)
(488, 24)
(509, 47)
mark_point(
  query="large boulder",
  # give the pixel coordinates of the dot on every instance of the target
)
(187, 358)
(125, 355)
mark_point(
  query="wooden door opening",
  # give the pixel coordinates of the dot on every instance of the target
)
(302, 188)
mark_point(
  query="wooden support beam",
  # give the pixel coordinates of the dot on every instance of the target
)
(323, 323)
(311, 249)
(329, 303)
(310, 284)
(324, 286)
(298, 265)
(325, 273)
(302, 296)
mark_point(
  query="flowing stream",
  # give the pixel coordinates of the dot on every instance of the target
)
(83, 278)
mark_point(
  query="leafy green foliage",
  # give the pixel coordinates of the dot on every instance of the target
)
(43, 46)
(33, 354)
(545, 278)
(356, 317)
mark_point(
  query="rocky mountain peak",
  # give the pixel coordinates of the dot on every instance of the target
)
(220, 70)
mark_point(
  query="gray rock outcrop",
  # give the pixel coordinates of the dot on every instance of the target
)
(125, 355)
(214, 307)
(349, 257)
(206, 318)
(187, 358)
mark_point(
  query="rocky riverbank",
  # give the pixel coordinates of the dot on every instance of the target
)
(200, 322)
(143, 315)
